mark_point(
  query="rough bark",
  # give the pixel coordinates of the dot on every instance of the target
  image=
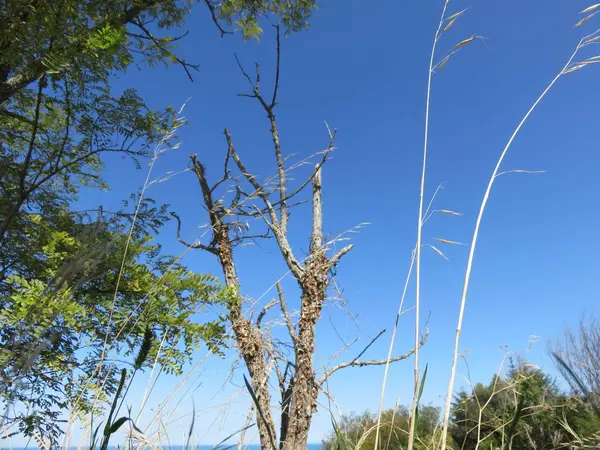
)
(248, 338)
(305, 390)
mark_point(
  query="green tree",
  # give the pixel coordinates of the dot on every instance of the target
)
(358, 430)
(522, 411)
(66, 303)
(80, 38)
(59, 268)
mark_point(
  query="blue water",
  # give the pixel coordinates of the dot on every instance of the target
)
(172, 447)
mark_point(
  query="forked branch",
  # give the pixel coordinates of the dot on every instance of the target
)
(376, 362)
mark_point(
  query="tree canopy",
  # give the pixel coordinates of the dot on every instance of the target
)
(77, 287)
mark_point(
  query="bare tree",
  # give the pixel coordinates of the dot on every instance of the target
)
(270, 202)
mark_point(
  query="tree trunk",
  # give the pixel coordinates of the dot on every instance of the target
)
(248, 337)
(305, 391)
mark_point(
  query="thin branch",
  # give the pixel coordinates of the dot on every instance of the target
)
(317, 168)
(245, 75)
(285, 312)
(281, 238)
(38, 103)
(215, 18)
(226, 172)
(378, 362)
(251, 237)
(17, 116)
(196, 244)
(335, 259)
(276, 86)
(274, 129)
(157, 42)
(368, 345)
(263, 312)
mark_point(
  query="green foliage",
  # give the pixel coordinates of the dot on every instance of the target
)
(524, 410)
(59, 268)
(246, 14)
(358, 431)
(64, 299)
(521, 411)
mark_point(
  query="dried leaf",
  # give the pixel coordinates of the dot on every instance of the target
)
(444, 62)
(439, 252)
(449, 25)
(446, 241)
(590, 40)
(447, 211)
(585, 19)
(465, 42)
(454, 16)
(590, 8)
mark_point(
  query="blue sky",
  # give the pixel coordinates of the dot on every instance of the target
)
(363, 70)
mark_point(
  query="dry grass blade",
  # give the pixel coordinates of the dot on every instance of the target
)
(465, 42)
(591, 40)
(447, 27)
(439, 252)
(456, 15)
(446, 241)
(443, 62)
(520, 171)
(585, 19)
(590, 8)
(447, 211)
(575, 67)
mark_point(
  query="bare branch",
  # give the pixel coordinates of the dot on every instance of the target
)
(268, 107)
(276, 86)
(316, 239)
(196, 244)
(280, 236)
(335, 259)
(215, 19)
(251, 237)
(285, 312)
(186, 65)
(226, 172)
(368, 345)
(245, 75)
(379, 362)
(264, 310)
(317, 167)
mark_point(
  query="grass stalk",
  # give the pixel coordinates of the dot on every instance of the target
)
(476, 235)
(392, 340)
(411, 436)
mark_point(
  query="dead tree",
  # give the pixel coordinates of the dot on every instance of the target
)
(298, 383)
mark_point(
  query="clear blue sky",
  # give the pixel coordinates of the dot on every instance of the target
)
(363, 69)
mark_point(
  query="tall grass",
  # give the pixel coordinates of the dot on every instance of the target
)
(567, 68)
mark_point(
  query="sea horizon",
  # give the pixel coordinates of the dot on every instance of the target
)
(310, 446)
